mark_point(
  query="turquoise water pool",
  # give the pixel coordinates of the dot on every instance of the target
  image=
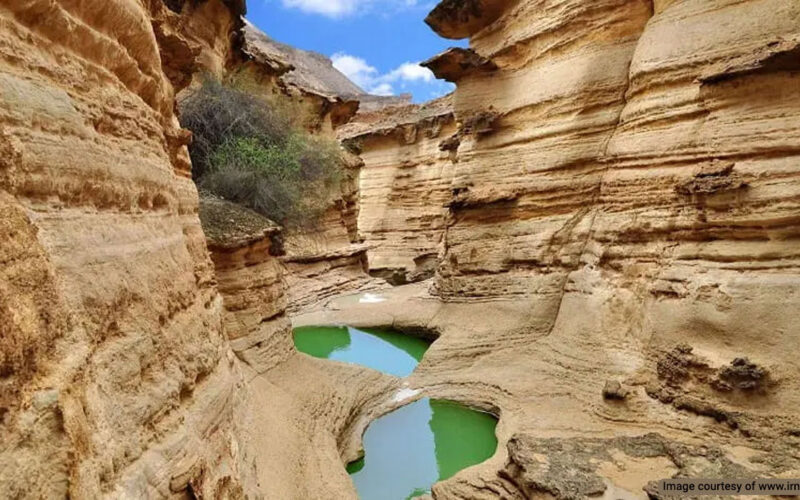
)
(413, 447)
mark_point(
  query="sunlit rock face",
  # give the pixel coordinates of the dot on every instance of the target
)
(326, 258)
(634, 150)
(629, 170)
(535, 131)
(404, 186)
(321, 96)
(198, 40)
(613, 206)
(698, 207)
(115, 376)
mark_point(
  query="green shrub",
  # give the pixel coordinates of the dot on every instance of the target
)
(290, 183)
(216, 113)
(247, 150)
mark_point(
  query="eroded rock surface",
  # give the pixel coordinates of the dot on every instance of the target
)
(245, 248)
(302, 415)
(329, 258)
(324, 97)
(612, 204)
(404, 186)
(117, 380)
(623, 208)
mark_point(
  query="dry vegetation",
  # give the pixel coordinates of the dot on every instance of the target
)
(247, 149)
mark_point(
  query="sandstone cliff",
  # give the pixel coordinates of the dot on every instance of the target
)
(324, 97)
(245, 248)
(198, 38)
(629, 171)
(120, 372)
(619, 265)
(327, 259)
(614, 215)
(300, 413)
(115, 376)
(404, 185)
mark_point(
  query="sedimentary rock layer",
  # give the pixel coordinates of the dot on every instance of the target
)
(323, 97)
(660, 173)
(621, 245)
(619, 276)
(326, 259)
(198, 39)
(541, 121)
(115, 377)
(245, 248)
(404, 186)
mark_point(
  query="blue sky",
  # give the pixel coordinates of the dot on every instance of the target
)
(377, 43)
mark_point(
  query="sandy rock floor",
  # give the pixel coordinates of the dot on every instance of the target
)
(559, 436)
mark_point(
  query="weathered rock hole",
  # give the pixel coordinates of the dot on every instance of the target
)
(425, 441)
(160, 202)
(415, 446)
(175, 5)
(186, 392)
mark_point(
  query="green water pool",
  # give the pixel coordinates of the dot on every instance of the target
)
(417, 445)
(382, 350)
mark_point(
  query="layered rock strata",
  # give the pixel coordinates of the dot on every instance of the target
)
(303, 415)
(324, 97)
(620, 246)
(116, 379)
(620, 263)
(328, 258)
(120, 371)
(618, 273)
(198, 39)
(404, 185)
(245, 248)
(658, 178)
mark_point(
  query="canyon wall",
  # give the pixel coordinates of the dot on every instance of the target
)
(328, 258)
(619, 261)
(320, 96)
(404, 185)
(197, 39)
(124, 373)
(303, 415)
(652, 161)
(613, 203)
(627, 180)
(116, 379)
(245, 248)
(632, 156)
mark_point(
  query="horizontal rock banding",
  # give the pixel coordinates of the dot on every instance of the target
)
(404, 186)
(129, 371)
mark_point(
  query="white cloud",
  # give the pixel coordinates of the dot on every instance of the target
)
(330, 8)
(371, 80)
(411, 72)
(342, 8)
(382, 89)
(356, 69)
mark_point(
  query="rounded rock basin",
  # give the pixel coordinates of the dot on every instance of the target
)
(417, 445)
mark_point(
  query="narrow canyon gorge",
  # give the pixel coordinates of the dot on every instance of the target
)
(598, 231)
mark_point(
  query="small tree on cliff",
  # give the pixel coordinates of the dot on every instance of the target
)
(247, 150)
